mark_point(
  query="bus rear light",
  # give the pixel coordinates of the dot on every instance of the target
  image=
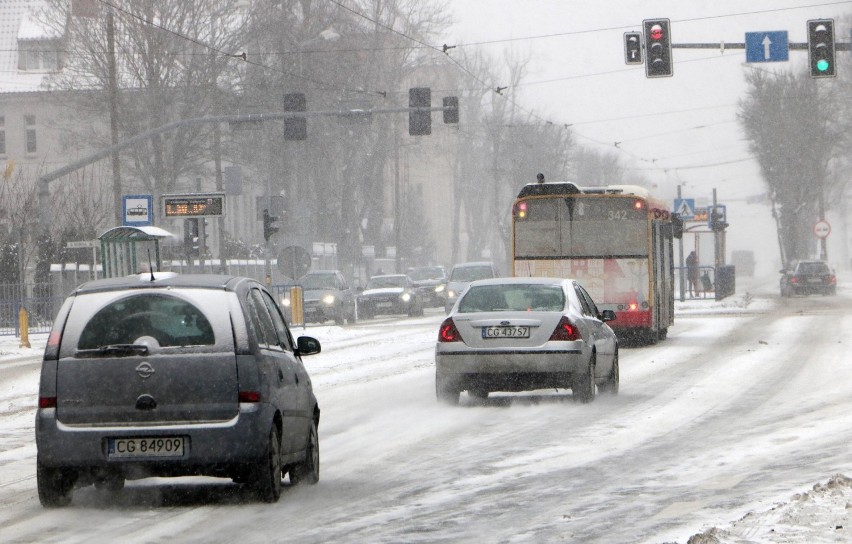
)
(448, 331)
(638, 204)
(632, 306)
(565, 331)
(520, 211)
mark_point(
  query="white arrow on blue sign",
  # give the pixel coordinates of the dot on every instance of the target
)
(767, 46)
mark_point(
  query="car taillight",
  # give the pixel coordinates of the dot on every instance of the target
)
(832, 279)
(448, 331)
(249, 396)
(794, 279)
(47, 402)
(565, 330)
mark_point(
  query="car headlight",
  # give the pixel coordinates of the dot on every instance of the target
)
(285, 302)
(439, 288)
(405, 297)
(328, 299)
(451, 294)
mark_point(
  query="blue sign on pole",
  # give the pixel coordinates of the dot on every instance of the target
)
(685, 207)
(138, 210)
(767, 46)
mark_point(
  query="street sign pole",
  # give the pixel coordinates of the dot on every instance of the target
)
(680, 260)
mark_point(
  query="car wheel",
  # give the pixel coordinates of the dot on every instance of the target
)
(54, 486)
(308, 471)
(584, 384)
(267, 477)
(611, 384)
(446, 393)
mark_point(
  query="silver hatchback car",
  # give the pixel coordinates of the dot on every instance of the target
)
(174, 375)
(522, 334)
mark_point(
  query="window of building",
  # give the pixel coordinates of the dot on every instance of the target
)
(32, 143)
(38, 56)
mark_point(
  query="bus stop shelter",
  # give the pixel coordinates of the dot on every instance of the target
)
(125, 250)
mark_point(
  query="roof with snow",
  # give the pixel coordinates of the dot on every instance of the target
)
(18, 23)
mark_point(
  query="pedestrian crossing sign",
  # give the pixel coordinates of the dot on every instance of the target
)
(684, 207)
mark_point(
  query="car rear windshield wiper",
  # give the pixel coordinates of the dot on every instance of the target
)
(114, 349)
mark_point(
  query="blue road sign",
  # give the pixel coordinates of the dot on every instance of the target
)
(138, 210)
(767, 46)
(685, 207)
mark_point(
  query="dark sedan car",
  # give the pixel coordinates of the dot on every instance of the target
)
(174, 375)
(808, 277)
(327, 295)
(389, 294)
(431, 283)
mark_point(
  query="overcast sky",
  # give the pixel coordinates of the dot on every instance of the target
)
(672, 130)
(681, 130)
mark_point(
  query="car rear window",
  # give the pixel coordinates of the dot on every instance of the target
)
(519, 298)
(813, 268)
(170, 320)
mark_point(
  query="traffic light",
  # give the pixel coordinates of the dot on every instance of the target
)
(821, 47)
(451, 115)
(677, 226)
(658, 48)
(717, 219)
(420, 122)
(295, 128)
(269, 228)
(191, 236)
(633, 48)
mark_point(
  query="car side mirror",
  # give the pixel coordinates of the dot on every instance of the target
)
(782, 271)
(308, 345)
(607, 315)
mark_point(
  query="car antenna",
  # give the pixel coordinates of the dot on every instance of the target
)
(151, 266)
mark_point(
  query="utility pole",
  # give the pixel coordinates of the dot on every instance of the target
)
(113, 117)
(680, 260)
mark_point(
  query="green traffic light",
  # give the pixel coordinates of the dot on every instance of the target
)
(822, 65)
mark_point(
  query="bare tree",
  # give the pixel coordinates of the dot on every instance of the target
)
(794, 142)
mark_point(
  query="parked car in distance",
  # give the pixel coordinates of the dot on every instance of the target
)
(805, 277)
(522, 334)
(431, 283)
(160, 374)
(462, 274)
(327, 295)
(389, 294)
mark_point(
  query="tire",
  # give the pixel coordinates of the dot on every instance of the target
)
(54, 486)
(446, 394)
(611, 384)
(584, 384)
(266, 479)
(308, 471)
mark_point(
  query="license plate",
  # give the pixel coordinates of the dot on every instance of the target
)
(384, 304)
(505, 332)
(150, 446)
(814, 280)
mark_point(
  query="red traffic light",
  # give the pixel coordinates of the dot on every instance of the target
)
(656, 32)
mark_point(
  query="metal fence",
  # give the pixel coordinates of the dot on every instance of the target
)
(41, 300)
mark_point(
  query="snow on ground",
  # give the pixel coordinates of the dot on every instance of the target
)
(821, 514)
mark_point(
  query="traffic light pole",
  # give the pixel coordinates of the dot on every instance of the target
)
(722, 46)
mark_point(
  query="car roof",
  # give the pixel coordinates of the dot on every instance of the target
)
(163, 280)
(521, 281)
(474, 264)
(389, 276)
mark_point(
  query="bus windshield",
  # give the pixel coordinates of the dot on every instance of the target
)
(582, 226)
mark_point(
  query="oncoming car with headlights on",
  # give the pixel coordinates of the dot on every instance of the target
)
(389, 294)
(523, 334)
